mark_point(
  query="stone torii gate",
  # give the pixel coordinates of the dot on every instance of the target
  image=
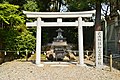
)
(59, 15)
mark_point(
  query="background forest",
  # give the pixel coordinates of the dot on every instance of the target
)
(15, 36)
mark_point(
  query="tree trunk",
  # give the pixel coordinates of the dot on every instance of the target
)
(60, 2)
(98, 16)
(97, 24)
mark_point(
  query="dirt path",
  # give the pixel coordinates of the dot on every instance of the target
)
(17, 70)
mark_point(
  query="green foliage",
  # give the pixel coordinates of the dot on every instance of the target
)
(31, 5)
(43, 5)
(18, 38)
(25, 40)
(8, 38)
(14, 2)
(78, 5)
(10, 15)
(94, 1)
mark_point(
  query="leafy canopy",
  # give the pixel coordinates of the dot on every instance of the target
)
(10, 14)
(14, 34)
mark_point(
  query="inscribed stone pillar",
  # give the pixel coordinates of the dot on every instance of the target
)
(99, 48)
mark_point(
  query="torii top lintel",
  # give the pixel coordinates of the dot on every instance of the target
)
(59, 14)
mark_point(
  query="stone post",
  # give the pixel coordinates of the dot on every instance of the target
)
(110, 61)
(99, 48)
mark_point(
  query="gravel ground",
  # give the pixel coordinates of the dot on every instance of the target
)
(16, 70)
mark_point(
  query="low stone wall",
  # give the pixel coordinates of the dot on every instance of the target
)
(8, 57)
(2, 56)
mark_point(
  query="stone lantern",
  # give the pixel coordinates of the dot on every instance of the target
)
(59, 45)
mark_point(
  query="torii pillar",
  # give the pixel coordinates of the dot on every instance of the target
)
(38, 42)
(80, 41)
